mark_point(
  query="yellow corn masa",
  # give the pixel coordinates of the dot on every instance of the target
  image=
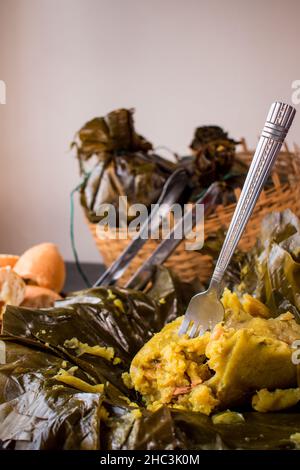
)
(247, 352)
(228, 417)
(67, 377)
(84, 348)
(264, 400)
(244, 362)
(136, 413)
(127, 380)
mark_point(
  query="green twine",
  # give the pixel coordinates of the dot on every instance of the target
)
(75, 254)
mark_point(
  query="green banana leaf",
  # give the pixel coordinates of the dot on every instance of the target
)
(38, 412)
(271, 270)
(166, 429)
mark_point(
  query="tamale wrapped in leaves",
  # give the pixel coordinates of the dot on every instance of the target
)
(116, 161)
(214, 159)
(38, 411)
(214, 151)
(125, 164)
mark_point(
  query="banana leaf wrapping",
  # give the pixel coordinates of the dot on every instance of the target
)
(214, 159)
(38, 412)
(125, 164)
(271, 270)
(214, 151)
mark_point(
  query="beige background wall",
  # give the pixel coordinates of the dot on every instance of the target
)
(180, 63)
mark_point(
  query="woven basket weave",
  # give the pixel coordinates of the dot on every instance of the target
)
(285, 193)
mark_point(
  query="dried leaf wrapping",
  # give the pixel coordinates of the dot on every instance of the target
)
(125, 164)
(271, 270)
(37, 412)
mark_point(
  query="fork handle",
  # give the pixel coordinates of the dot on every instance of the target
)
(278, 122)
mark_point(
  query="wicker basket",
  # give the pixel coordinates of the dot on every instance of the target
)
(285, 193)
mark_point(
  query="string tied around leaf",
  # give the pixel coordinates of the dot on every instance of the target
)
(72, 235)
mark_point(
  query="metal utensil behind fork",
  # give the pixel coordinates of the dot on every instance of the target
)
(143, 275)
(205, 309)
(172, 191)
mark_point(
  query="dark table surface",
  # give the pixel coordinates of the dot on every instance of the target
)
(74, 280)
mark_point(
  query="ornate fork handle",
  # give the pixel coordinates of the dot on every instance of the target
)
(278, 122)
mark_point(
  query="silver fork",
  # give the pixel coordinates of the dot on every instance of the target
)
(205, 309)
